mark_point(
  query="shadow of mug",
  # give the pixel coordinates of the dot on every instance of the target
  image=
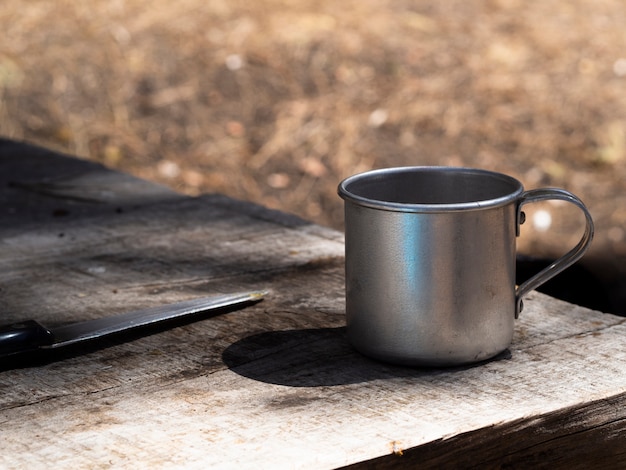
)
(317, 357)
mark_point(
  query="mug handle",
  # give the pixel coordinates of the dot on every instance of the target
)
(565, 261)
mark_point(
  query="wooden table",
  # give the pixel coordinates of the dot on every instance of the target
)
(272, 385)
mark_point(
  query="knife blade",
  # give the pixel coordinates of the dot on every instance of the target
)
(30, 335)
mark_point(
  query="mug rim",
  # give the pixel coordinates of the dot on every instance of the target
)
(344, 192)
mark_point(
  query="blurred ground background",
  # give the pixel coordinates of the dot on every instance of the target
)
(277, 101)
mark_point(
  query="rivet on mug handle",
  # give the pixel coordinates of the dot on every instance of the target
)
(565, 261)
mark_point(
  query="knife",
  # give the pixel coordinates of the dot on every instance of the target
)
(30, 335)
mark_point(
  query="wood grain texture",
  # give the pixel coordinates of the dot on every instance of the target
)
(274, 385)
(589, 435)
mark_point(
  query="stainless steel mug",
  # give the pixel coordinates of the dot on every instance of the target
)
(430, 262)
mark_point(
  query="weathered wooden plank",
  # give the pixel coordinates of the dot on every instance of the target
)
(578, 437)
(269, 385)
(276, 384)
(141, 245)
(153, 247)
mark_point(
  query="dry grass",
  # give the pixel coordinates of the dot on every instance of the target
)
(276, 101)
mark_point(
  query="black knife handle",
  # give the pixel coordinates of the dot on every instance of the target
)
(24, 336)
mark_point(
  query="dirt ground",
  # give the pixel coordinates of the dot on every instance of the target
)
(277, 101)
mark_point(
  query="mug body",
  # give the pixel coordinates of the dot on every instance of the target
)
(430, 263)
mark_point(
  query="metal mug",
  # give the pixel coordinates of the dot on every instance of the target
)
(430, 262)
